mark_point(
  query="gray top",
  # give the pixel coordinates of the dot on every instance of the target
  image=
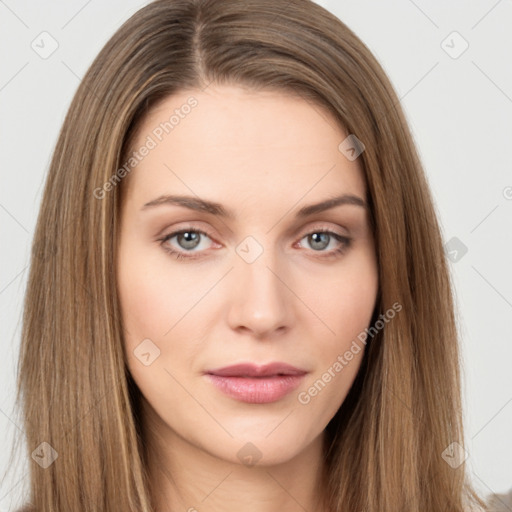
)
(500, 502)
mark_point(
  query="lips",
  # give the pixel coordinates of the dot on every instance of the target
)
(254, 384)
(252, 370)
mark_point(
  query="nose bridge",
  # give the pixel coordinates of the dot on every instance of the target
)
(260, 300)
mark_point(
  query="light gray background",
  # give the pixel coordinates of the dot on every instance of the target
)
(459, 108)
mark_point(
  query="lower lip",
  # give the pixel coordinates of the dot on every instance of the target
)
(257, 390)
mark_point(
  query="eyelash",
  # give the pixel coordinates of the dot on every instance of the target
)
(344, 240)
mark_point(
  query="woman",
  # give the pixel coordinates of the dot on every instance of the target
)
(238, 294)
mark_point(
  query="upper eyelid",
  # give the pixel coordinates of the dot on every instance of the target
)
(304, 231)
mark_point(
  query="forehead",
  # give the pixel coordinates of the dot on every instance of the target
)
(227, 139)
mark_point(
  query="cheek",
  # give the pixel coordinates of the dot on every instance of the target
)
(338, 363)
(346, 302)
(345, 307)
(352, 307)
(144, 305)
(150, 308)
(153, 296)
(157, 304)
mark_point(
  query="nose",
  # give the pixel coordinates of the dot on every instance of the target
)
(261, 300)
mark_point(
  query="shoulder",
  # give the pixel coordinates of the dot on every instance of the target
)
(28, 507)
(500, 502)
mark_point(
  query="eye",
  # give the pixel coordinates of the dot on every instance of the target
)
(189, 239)
(322, 238)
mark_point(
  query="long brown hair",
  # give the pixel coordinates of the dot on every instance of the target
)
(384, 449)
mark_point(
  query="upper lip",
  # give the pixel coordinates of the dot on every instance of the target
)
(253, 370)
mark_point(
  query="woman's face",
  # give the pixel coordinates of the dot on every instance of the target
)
(251, 279)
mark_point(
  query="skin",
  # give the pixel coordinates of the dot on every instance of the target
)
(263, 155)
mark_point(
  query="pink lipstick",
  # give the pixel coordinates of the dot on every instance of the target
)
(254, 384)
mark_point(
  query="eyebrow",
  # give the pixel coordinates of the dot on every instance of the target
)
(202, 205)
